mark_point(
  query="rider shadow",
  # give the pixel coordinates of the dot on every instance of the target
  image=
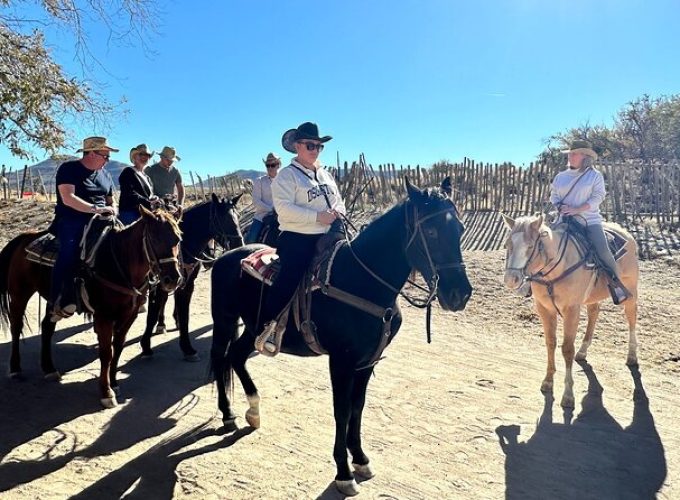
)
(593, 457)
(159, 397)
(153, 474)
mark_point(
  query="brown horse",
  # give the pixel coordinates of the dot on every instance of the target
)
(124, 262)
(560, 283)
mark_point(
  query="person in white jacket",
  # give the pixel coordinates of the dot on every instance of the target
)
(262, 196)
(308, 203)
(578, 191)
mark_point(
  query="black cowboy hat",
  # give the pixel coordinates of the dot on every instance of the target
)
(307, 130)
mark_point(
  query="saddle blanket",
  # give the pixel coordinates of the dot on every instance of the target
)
(262, 265)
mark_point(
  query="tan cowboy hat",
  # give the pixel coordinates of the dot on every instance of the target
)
(95, 144)
(579, 146)
(169, 153)
(271, 158)
(142, 148)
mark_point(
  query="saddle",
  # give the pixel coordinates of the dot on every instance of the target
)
(44, 251)
(615, 240)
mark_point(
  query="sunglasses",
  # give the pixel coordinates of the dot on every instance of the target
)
(311, 146)
(276, 165)
(106, 157)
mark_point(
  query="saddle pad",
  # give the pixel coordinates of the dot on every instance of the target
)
(616, 242)
(262, 265)
(43, 250)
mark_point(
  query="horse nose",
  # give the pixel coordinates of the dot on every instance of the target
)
(169, 283)
(512, 279)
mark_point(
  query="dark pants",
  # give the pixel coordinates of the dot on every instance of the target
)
(69, 232)
(295, 251)
(127, 217)
(254, 231)
(599, 241)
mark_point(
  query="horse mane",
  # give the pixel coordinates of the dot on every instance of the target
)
(159, 213)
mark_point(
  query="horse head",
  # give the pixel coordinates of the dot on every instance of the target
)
(224, 221)
(524, 250)
(434, 231)
(161, 246)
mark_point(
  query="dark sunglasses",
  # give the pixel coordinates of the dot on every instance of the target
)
(106, 157)
(275, 165)
(311, 146)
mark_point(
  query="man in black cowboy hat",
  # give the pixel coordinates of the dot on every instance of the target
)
(308, 202)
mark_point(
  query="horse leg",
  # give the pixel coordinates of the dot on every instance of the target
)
(549, 322)
(224, 331)
(152, 317)
(630, 309)
(239, 352)
(104, 330)
(593, 313)
(182, 301)
(17, 308)
(360, 461)
(570, 324)
(342, 381)
(47, 327)
(119, 335)
(162, 298)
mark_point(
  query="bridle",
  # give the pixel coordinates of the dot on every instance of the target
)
(537, 249)
(152, 258)
(219, 228)
(417, 228)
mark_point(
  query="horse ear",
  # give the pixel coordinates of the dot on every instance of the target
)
(414, 193)
(215, 198)
(235, 199)
(508, 221)
(446, 187)
(537, 223)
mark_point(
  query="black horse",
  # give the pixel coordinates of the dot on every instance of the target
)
(422, 232)
(214, 219)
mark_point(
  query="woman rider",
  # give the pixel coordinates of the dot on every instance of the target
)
(135, 186)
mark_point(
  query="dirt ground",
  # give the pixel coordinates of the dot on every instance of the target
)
(462, 417)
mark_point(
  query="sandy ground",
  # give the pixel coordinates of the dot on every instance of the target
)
(462, 417)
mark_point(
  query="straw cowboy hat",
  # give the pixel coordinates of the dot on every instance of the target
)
(142, 148)
(307, 130)
(579, 146)
(169, 153)
(271, 158)
(96, 144)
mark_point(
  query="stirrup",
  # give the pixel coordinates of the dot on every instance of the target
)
(265, 343)
(59, 313)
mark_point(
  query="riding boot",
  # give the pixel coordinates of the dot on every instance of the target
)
(265, 343)
(617, 290)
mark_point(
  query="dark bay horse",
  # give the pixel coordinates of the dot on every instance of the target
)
(123, 264)
(214, 219)
(423, 233)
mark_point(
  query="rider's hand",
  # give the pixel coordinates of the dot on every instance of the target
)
(326, 217)
(107, 210)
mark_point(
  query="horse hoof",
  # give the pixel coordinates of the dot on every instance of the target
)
(229, 424)
(632, 361)
(580, 356)
(253, 419)
(16, 375)
(364, 470)
(349, 488)
(109, 403)
(53, 376)
(192, 358)
(160, 330)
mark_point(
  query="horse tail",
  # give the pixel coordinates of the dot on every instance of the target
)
(5, 260)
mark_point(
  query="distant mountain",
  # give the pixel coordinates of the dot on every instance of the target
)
(249, 174)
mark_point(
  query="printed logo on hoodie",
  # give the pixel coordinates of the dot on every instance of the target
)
(317, 191)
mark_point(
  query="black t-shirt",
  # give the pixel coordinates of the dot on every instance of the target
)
(93, 186)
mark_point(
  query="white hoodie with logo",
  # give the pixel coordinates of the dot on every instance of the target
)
(298, 195)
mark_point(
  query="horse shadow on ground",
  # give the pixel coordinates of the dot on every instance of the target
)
(160, 392)
(593, 457)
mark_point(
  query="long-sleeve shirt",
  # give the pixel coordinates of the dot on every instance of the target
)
(262, 196)
(298, 194)
(590, 189)
(135, 189)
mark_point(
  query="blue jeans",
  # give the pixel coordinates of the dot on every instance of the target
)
(69, 233)
(127, 217)
(254, 231)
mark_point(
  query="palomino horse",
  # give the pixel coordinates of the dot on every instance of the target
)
(423, 233)
(214, 219)
(561, 282)
(124, 261)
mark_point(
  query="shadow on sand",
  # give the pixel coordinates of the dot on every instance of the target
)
(160, 391)
(593, 457)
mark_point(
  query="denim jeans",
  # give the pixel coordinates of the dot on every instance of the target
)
(69, 233)
(254, 231)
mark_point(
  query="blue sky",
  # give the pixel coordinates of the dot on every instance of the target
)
(405, 82)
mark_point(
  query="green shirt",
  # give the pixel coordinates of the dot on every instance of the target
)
(163, 180)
